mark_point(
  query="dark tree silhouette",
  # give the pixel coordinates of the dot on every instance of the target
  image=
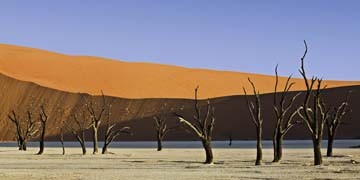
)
(96, 112)
(112, 131)
(284, 115)
(77, 128)
(333, 122)
(62, 140)
(161, 127)
(314, 115)
(25, 130)
(202, 127)
(43, 117)
(256, 116)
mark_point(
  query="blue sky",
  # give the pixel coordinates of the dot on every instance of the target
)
(236, 35)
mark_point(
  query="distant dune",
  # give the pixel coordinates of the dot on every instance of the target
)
(30, 76)
(127, 79)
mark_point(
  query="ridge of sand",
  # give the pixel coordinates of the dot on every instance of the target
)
(127, 79)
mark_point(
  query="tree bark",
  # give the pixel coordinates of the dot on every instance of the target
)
(104, 149)
(83, 147)
(95, 140)
(208, 151)
(42, 139)
(317, 152)
(23, 145)
(279, 148)
(258, 146)
(159, 143)
(329, 152)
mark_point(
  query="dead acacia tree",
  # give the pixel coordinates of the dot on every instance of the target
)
(333, 122)
(43, 118)
(25, 130)
(78, 128)
(202, 126)
(112, 130)
(313, 115)
(62, 140)
(256, 116)
(284, 115)
(96, 112)
(161, 127)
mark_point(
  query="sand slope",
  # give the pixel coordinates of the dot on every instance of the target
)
(124, 79)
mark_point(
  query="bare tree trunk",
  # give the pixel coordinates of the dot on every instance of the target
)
(209, 155)
(277, 143)
(62, 144)
(42, 139)
(159, 143)
(23, 145)
(259, 147)
(317, 152)
(329, 152)
(83, 148)
(104, 149)
(95, 140)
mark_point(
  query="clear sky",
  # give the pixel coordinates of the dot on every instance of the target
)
(236, 35)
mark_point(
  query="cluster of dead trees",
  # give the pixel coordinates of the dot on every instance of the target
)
(89, 116)
(313, 112)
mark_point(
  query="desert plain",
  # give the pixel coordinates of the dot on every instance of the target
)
(176, 163)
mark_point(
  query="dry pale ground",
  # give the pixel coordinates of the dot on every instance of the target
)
(173, 164)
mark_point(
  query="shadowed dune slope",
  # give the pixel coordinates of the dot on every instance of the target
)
(232, 117)
(128, 80)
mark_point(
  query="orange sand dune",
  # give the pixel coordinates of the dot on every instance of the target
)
(128, 80)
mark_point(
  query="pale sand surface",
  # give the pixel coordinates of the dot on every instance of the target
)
(132, 80)
(173, 164)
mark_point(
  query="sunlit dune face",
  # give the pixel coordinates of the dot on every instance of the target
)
(129, 80)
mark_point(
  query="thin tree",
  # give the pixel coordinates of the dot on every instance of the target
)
(202, 126)
(112, 131)
(96, 114)
(25, 130)
(78, 129)
(256, 116)
(314, 115)
(334, 121)
(62, 140)
(284, 115)
(43, 118)
(161, 127)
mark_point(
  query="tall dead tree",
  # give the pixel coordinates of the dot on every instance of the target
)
(161, 127)
(43, 118)
(314, 114)
(96, 112)
(78, 128)
(112, 130)
(25, 130)
(256, 116)
(284, 115)
(202, 126)
(333, 122)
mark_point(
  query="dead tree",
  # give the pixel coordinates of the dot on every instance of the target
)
(202, 126)
(256, 116)
(313, 115)
(43, 117)
(161, 128)
(96, 114)
(78, 129)
(112, 132)
(25, 130)
(333, 122)
(284, 115)
(62, 140)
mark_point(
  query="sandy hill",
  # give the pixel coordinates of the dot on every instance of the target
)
(125, 79)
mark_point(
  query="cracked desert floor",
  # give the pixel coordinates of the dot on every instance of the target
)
(179, 163)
